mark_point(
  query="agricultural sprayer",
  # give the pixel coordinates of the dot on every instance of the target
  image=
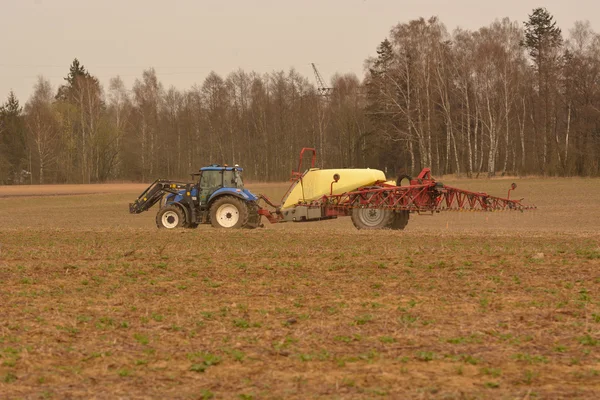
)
(218, 197)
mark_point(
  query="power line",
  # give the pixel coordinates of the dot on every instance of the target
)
(203, 67)
(101, 75)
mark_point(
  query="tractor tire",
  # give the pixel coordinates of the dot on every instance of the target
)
(400, 220)
(253, 217)
(372, 218)
(170, 217)
(229, 212)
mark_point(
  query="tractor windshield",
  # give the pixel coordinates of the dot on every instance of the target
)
(233, 179)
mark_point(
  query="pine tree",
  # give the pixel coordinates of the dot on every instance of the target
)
(80, 108)
(12, 107)
(385, 55)
(381, 95)
(12, 140)
(543, 40)
(380, 68)
(76, 72)
(541, 36)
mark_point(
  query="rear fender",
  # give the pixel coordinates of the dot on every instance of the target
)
(243, 194)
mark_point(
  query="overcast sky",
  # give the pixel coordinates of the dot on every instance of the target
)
(185, 39)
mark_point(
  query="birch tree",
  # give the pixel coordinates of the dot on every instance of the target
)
(41, 121)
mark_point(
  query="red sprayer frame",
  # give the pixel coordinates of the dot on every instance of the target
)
(423, 195)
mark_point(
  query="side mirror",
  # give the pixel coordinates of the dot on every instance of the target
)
(336, 177)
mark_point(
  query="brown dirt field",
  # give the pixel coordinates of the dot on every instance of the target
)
(56, 190)
(97, 303)
(102, 188)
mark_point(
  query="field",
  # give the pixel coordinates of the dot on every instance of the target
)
(97, 303)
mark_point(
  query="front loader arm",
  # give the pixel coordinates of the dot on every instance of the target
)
(154, 193)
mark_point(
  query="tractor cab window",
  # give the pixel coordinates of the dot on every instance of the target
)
(233, 179)
(210, 179)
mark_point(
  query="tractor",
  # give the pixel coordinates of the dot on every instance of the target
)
(218, 197)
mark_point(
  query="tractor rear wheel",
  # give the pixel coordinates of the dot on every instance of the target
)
(170, 217)
(372, 218)
(253, 217)
(228, 212)
(400, 220)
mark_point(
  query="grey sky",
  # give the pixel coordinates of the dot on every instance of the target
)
(184, 39)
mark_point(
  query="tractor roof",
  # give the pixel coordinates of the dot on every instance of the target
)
(217, 167)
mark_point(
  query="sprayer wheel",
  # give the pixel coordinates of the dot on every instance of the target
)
(372, 218)
(400, 220)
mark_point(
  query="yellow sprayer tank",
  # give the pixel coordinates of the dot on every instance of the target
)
(317, 182)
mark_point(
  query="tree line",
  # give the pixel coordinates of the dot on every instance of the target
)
(505, 99)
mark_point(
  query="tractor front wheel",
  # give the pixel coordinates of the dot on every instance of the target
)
(228, 212)
(170, 217)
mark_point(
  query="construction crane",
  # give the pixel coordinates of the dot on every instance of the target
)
(322, 90)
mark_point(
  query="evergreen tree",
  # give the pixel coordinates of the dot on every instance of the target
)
(381, 84)
(541, 36)
(385, 55)
(12, 140)
(12, 107)
(543, 40)
(377, 80)
(81, 110)
(75, 70)
(77, 73)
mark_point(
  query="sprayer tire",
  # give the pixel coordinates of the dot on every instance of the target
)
(401, 177)
(372, 218)
(400, 220)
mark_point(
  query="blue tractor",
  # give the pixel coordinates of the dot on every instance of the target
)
(217, 197)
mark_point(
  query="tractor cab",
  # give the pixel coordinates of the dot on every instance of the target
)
(216, 177)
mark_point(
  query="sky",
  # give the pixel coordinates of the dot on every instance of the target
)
(186, 39)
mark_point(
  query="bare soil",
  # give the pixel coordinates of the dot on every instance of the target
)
(99, 303)
(56, 190)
